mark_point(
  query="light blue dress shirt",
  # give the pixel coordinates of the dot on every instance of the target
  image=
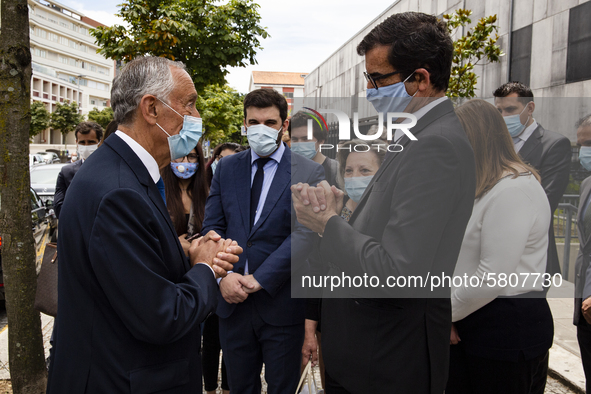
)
(269, 169)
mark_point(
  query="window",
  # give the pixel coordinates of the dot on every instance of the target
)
(92, 102)
(73, 45)
(74, 27)
(104, 103)
(521, 55)
(578, 53)
(40, 14)
(63, 24)
(84, 30)
(53, 37)
(92, 68)
(72, 62)
(82, 48)
(288, 95)
(41, 33)
(83, 82)
(40, 52)
(63, 59)
(52, 20)
(31, 31)
(103, 70)
(92, 84)
(63, 40)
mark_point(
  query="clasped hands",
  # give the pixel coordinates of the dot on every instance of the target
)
(220, 254)
(314, 206)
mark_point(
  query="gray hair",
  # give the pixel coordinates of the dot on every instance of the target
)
(144, 75)
(585, 121)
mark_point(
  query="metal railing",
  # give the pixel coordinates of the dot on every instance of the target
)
(565, 226)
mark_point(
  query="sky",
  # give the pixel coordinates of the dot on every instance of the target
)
(304, 33)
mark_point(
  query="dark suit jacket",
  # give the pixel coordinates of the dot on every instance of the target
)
(584, 252)
(550, 154)
(410, 221)
(271, 245)
(63, 182)
(129, 302)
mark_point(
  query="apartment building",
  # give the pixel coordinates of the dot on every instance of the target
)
(65, 65)
(289, 84)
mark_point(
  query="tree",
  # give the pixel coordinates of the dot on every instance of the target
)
(206, 37)
(103, 117)
(65, 118)
(477, 44)
(221, 110)
(25, 343)
(40, 118)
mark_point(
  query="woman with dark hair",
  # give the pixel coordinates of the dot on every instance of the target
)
(502, 328)
(186, 190)
(219, 152)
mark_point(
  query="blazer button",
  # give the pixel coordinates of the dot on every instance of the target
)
(249, 244)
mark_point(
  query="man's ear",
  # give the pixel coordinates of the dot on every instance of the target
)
(285, 125)
(532, 108)
(423, 78)
(148, 109)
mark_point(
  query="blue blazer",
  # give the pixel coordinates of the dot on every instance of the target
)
(271, 245)
(129, 302)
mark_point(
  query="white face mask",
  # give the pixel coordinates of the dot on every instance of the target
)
(84, 151)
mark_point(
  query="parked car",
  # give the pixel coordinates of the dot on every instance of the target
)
(50, 157)
(36, 159)
(44, 226)
(43, 179)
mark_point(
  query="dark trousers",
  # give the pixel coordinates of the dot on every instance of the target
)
(248, 342)
(332, 386)
(584, 337)
(210, 356)
(469, 374)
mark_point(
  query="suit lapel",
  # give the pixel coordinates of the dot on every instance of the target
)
(530, 144)
(281, 181)
(435, 113)
(143, 176)
(242, 179)
(583, 239)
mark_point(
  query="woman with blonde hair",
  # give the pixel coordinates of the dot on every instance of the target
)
(502, 327)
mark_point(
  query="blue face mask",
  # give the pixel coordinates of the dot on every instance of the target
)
(306, 149)
(585, 157)
(184, 170)
(391, 98)
(262, 139)
(355, 186)
(514, 124)
(214, 166)
(186, 140)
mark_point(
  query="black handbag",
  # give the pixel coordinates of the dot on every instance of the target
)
(46, 295)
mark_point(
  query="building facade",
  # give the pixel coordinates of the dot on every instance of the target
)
(65, 65)
(290, 84)
(547, 45)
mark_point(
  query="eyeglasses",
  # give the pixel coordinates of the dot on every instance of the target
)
(191, 158)
(373, 80)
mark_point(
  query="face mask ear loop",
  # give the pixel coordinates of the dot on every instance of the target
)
(171, 108)
(163, 130)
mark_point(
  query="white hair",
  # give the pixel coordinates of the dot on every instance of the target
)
(144, 75)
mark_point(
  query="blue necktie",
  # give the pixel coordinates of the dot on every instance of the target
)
(160, 186)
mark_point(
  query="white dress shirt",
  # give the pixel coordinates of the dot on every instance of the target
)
(148, 161)
(506, 234)
(419, 114)
(519, 141)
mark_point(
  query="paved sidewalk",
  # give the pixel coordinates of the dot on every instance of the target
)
(565, 359)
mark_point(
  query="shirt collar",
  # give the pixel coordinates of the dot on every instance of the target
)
(529, 130)
(277, 155)
(143, 155)
(423, 110)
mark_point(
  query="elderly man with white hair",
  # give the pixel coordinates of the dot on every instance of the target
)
(130, 302)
